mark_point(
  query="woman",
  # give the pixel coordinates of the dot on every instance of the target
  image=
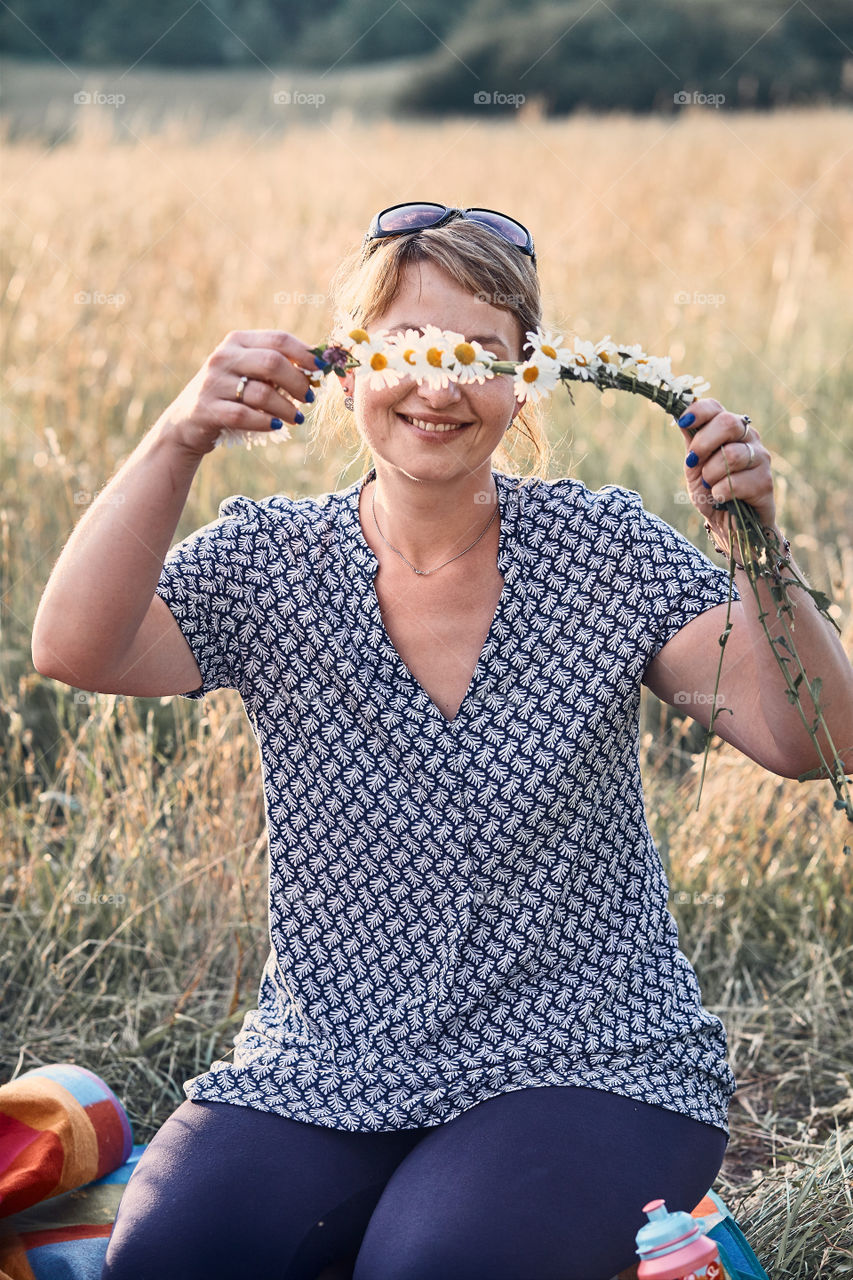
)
(478, 1051)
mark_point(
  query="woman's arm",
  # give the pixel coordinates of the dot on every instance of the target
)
(753, 711)
(100, 595)
(99, 625)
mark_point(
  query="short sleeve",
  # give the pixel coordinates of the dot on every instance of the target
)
(203, 583)
(677, 581)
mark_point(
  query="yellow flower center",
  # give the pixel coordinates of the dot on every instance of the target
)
(378, 361)
(434, 356)
(408, 355)
(581, 359)
(359, 335)
(550, 352)
(530, 375)
(605, 357)
(465, 353)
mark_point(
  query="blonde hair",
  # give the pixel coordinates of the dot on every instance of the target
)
(368, 280)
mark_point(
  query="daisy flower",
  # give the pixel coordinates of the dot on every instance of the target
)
(536, 378)
(406, 351)
(585, 359)
(373, 362)
(636, 362)
(469, 360)
(433, 358)
(633, 353)
(656, 370)
(545, 346)
(608, 354)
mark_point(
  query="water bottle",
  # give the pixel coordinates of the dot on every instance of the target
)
(672, 1247)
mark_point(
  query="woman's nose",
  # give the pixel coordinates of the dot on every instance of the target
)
(439, 397)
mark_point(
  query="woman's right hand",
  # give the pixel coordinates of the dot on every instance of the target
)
(278, 367)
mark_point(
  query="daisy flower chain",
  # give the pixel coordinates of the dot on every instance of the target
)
(437, 357)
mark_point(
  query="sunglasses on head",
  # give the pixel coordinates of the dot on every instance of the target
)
(402, 218)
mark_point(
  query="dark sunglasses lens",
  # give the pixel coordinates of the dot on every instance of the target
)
(410, 217)
(514, 232)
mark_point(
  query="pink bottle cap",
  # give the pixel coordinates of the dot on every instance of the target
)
(671, 1245)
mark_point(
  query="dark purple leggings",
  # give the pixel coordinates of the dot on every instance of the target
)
(540, 1184)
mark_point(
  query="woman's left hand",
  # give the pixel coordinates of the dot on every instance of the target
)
(731, 462)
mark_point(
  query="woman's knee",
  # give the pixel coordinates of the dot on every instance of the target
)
(158, 1216)
(547, 1182)
(230, 1191)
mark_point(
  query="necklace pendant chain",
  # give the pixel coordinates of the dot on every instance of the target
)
(424, 573)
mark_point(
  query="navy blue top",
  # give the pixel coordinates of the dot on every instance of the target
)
(458, 908)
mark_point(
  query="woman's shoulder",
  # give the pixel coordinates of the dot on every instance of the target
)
(277, 508)
(567, 498)
(274, 530)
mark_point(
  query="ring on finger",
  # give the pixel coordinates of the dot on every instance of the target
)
(750, 462)
(241, 387)
(745, 419)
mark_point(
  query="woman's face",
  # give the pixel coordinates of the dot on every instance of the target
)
(428, 295)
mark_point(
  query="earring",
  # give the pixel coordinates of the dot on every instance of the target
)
(348, 403)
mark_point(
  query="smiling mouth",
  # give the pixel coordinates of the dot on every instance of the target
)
(433, 426)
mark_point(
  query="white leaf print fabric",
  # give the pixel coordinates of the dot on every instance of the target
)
(457, 909)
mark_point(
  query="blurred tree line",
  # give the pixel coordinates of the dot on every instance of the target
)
(628, 54)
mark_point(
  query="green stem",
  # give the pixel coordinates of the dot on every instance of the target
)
(722, 642)
(757, 552)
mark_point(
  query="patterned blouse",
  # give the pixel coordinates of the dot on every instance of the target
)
(457, 909)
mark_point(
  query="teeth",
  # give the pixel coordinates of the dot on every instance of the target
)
(433, 426)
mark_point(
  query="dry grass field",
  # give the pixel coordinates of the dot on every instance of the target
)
(132, 886)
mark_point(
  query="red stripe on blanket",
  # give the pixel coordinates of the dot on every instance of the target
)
(111, 1132)
(15, 1134)
(33, 1175)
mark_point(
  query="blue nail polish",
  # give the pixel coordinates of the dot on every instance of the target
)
(300, 417)
(276, 424)
(321, 364)
(309, 396)
(705, 482)
(691, 459)
(687, 419)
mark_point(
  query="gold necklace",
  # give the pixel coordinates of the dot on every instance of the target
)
(424, 573)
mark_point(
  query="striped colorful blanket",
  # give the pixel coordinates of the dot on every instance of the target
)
(67, 1153)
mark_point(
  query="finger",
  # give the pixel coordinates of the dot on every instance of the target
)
(262, 364)
(759, 498)
(722, 433)
(731, 459)
(753, 487)
(275, 340)
(698, 413)
(261, 397)
(748, 486)
(241, 417)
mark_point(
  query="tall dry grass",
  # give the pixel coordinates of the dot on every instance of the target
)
(133, 880)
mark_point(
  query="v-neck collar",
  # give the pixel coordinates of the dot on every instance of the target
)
(360, 567)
